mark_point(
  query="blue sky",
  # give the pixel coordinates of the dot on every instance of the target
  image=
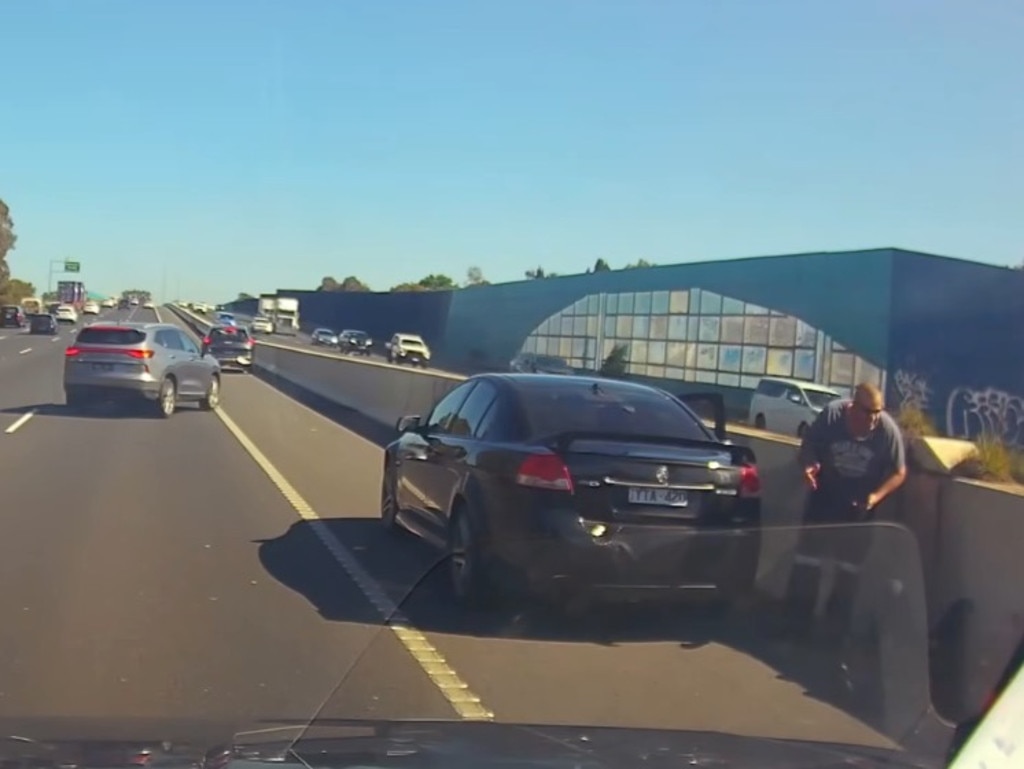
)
(253, 145)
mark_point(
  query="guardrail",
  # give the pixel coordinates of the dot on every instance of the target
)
(966, 530)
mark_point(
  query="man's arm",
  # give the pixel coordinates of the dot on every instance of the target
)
(809, 455)
(898, 461)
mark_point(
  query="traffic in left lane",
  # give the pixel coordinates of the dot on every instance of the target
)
(131, 576)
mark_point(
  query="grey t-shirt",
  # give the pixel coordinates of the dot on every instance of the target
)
(852, 468)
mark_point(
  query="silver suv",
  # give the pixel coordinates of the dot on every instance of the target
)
(154, 362)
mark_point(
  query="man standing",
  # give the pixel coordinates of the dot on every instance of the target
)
(853, 458)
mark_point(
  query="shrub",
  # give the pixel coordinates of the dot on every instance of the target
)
(915, 423)
(616, 363)
(993, 461)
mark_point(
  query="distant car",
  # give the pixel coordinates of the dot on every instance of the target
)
(261, 324)
(91, 308)
(156, 363)
(231, 346)
(226, 319)
(12, 316)
(408, 348)
(134, 302)
(66, 313)
(123, 304)
(355, 342)
(109, 304)
(149, 306)
(532, 363)
(42, 323)
(325, 337)
(576, 486)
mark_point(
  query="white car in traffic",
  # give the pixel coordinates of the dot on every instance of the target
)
(66, 313)
(91, 308)
(261, 324)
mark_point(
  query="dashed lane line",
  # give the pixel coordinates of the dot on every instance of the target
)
(465, 703)
(20, 421)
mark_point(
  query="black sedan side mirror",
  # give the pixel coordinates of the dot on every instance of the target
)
(408, 424)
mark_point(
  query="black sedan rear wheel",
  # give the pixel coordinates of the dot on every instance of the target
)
(389, 500)
(467, 562)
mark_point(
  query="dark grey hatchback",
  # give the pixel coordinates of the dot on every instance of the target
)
(231, 346)
(575, 485)
(42, 323)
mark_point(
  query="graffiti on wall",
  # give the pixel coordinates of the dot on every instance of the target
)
(971, 412)
(912, 389)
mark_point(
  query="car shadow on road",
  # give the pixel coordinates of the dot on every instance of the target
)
(415, 579)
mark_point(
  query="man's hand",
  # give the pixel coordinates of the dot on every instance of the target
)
(811, 476)
(866, 508)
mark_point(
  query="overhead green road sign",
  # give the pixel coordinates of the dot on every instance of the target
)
(72, 266)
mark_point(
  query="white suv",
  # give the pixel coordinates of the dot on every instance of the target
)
(788, 406)
(408, 348)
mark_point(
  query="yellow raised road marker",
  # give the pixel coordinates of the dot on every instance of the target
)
(466, 704)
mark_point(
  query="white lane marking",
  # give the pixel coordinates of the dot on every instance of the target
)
(466, 704)
(54, 338)
(21, 420)
(27, 349)
(3, 337)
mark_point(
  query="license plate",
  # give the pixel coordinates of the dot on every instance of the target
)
(660, 497)
(102, 366)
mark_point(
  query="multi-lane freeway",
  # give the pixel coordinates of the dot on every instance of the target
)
(229, 567)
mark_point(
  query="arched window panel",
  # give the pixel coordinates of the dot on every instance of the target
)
(696, 335)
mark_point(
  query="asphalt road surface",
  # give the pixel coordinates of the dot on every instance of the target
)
(230, 567)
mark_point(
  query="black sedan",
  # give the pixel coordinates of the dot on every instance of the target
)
(353, 342)
(575, 487)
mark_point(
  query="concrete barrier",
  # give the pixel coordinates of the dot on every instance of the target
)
(968, 532)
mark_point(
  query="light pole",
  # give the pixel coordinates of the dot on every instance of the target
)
(66, 266)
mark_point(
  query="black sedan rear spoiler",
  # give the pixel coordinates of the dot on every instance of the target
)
(741, 455)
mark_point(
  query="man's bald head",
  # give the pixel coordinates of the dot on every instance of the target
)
(865, 412)
(869, 396)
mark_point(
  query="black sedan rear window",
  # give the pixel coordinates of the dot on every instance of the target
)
(111, 335)
(626, 411)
